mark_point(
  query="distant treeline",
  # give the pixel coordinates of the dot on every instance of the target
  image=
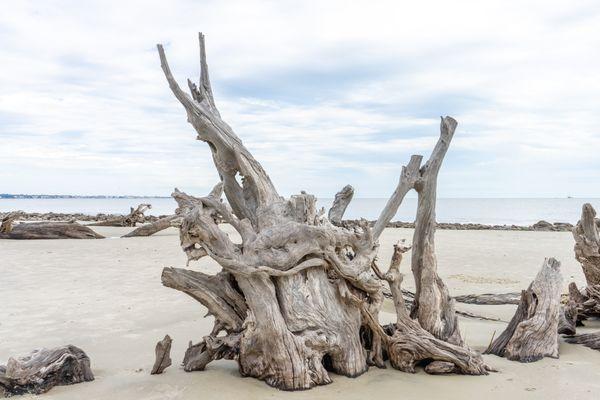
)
(67, 196)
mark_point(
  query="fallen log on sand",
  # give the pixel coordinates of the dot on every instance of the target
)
(135, 216)
(152, 228)
(296, 299)
(43, 369)
(49, 230)
(533, 331)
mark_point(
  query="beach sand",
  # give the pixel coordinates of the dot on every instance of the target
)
(106, 297)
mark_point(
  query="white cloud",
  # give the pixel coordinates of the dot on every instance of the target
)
(84, 107)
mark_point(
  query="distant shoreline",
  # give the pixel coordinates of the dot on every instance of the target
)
(62, 196)
(543, 226)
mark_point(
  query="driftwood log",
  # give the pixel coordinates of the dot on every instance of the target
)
(163, 355)
(135, 216)
(43, 369)
(48, 230)
(153, 227)
(533, 331)
(297, 297)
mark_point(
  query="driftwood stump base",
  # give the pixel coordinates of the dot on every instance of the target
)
(43, 369)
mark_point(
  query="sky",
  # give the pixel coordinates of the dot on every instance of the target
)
(323, 93)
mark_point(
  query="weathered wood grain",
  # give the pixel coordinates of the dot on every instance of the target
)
(43, 369)
(50, 230)
(533, 331)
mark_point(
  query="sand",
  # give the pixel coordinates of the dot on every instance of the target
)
(105, 296)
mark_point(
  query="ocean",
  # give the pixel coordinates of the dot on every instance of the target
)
(474, 210)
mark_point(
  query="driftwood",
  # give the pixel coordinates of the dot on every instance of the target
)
(7, 222)
(489, 299)
(533, 331)
(163, 355)
(43, 369)
(135, 216)
(50, 230)
(340, 202)
(297, 298)
(591, 340)
(587, 252)
(408, 344)
(152, 228)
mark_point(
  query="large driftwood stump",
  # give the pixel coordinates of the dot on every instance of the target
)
(152, 228)
(587, 252)
(43, 369)
(50, 230)
(533, 331)
(135, 216)
(297, 298)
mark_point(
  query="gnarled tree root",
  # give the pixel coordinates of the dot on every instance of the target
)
(135, 215)
(43, 369)
(591, 340)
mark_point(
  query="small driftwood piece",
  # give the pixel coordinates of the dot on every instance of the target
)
(489, 299)
(408, 344)
(152, 228)
(135, 216)
(296, 299)
(43, 369)
(340, 203)
(50, 230)
(533, 331)
(567, 322)
(591, 340)
(163, 355)
(6, 224)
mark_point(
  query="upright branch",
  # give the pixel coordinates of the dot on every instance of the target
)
(408, 178)
(340, 202)
(433, 306)
(231, 158)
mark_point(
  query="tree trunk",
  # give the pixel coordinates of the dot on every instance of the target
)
(135, 216)
(533, 331)
(43, 369)
(152, 228)
(295, 295)
(50, 230)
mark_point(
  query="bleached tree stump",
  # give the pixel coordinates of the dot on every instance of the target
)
(533, 331)
(135, 216)
(296, 298)
(587, 252)
(43, 369)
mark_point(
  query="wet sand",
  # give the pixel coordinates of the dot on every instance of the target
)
(105, 296)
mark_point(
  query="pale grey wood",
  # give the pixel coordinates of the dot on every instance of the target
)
(296, 294)
(50, 230)
(591, 340)
(162, 355)
(43, 369)
(408, 344)
(153, 227)
(408, 178)
(135, 216)
(433, 306)
(532, 333)
(340, 203)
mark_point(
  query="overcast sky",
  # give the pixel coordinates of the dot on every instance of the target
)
(324, 94)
